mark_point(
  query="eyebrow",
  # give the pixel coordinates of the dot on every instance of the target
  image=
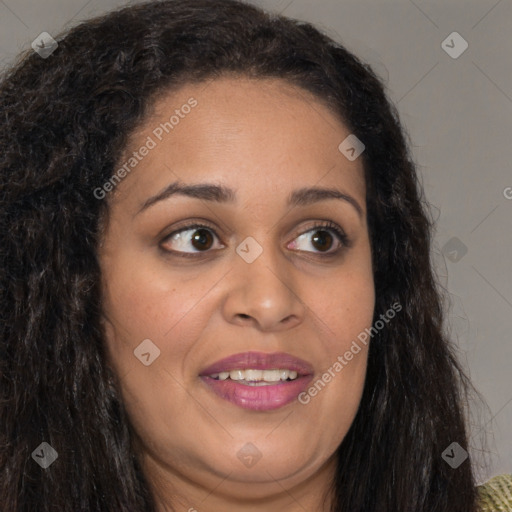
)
(222, 194)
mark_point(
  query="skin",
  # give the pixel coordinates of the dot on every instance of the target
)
(264, 139)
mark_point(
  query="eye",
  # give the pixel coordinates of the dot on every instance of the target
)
(322, 239)
(201, 237)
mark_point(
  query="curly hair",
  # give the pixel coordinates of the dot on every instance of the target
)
(64, 123)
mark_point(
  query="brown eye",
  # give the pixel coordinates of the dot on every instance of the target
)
(197, 237)
(202, 239)
(324, 241)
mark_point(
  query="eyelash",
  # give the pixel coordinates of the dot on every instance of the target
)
(326, 225)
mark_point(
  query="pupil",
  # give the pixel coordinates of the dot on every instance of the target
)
(322, 238)
(202, 239)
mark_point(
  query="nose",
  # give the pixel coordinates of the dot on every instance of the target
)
(264, 293)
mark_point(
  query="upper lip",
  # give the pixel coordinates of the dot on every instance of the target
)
(259, 361)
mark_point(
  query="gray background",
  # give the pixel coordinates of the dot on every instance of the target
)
(458, 113)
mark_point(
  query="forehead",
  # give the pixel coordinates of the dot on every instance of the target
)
(261, 137)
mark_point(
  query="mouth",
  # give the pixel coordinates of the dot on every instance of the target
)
(258, 381)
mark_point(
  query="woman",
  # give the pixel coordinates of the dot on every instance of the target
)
(300, 362)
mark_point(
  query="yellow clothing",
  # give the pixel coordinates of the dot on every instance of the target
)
(496, 494)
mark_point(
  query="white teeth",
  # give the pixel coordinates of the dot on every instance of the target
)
(271, 376)
(236, 375)
(251, 375)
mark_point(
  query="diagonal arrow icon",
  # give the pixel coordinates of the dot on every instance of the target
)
(351, 147)
(249, 249)
(454, 45)
(146, 352)
(249, 455)
(45, 455)
(44, 45)
(454, 455)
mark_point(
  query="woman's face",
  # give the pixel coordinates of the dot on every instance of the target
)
(259, 280)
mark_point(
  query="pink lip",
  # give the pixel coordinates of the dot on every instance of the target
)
(259, 398)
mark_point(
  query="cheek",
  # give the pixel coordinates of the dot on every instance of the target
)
(144, 308)
(141, 304)
(345, 305)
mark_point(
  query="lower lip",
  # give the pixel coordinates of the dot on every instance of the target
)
(258, 398)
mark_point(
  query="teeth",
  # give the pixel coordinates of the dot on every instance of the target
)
(250, 375)
(271, 375)
(236, 375)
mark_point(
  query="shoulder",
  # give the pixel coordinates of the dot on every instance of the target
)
(496, 494)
